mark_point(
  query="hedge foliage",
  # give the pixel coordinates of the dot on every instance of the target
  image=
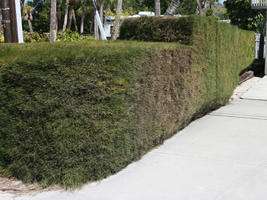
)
(219, 50)
(78, 112)
(162, 29)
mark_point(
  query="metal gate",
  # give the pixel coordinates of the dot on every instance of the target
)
(257, 45)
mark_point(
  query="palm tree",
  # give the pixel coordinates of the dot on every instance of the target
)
(157, 7)
(116, 26)
(66, 15)
(53, 21)
(72, 16)
(27, 16)
(171, 10)
(82, 11)
(22, 2)
(59, 5)
(199, 6)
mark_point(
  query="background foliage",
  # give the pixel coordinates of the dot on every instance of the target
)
(242, 15)
(41, 11)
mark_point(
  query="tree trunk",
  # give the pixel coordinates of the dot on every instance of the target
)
(66, 16)
(58, 15)
(101, 15)
(53, 21)
(157, 7)
(30, 25)
(116, 26)
(22, 2)
(171, 10)
(74, 20)
(199, 8)
(91, 27)
(70, 17)
(82, 21)
(211, 4)
(203, 3)
(96, 29)
(101, 10)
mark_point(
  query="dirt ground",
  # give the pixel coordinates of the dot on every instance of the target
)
(16, 188)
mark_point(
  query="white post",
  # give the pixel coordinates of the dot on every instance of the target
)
(265, 70)
(19, 21)
(99, 23)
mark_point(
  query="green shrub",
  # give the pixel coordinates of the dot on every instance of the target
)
(2, 39)
(68, 35)
(35, 37)
(209, 12)
(87, 37)
(81, 111)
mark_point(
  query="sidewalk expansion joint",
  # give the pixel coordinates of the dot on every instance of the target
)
(255, 117)
(253, 99)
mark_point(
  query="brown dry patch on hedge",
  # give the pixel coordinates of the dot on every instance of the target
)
(166, 85)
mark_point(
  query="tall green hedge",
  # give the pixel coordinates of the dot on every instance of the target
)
(78, 112)
(219, 50)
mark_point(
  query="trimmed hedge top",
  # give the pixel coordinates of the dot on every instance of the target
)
(163, 29)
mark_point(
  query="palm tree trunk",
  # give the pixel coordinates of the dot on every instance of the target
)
(157, 7)
(91, 27)
(116, 26)
(101, 10)
(199, 8)
(66, 16)
(171, 10)
(70, 17)
(22, 2)
(82, 21)
(96, 29)
(203, 3)
(30, 25)
(53, 21)
(58, 14)
(74, 20)
(101, 15)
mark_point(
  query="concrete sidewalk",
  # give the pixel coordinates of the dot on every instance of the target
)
(222, 156)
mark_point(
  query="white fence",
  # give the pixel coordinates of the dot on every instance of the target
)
(259, 4)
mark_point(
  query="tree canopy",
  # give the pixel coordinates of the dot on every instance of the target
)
(242, 15)
(41, 13)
